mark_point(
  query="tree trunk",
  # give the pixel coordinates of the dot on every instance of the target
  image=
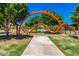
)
(6, 29)
(78, 30)
(70, 31)
(65, 30)
(17, 32)
(7, 32)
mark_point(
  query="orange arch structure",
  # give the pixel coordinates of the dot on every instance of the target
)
(45, 26)
(48, 28)
(53, 15)
(70, 27)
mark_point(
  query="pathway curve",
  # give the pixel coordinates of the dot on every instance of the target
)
(42, 46)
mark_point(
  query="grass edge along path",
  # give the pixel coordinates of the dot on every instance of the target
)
(13, 47)
(69, 46)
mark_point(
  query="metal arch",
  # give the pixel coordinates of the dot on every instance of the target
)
(49, 14)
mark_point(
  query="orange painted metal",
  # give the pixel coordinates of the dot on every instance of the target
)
(59, 26)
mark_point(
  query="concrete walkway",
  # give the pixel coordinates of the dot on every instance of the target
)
(42, 46)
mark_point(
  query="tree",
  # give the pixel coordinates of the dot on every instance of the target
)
(75, 17)
(9, 13)
(21, 11)
(4, 17)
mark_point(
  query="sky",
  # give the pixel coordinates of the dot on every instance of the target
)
(63, 9)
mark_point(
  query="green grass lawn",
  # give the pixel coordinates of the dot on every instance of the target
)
(13, 47)
(68, 45)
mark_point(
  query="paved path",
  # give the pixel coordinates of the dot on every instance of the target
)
(42, 46)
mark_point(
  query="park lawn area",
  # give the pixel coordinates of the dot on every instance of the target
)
(68, 45)
(13, 47)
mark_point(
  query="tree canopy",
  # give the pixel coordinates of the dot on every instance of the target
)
(75, 17)
(9, 12)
